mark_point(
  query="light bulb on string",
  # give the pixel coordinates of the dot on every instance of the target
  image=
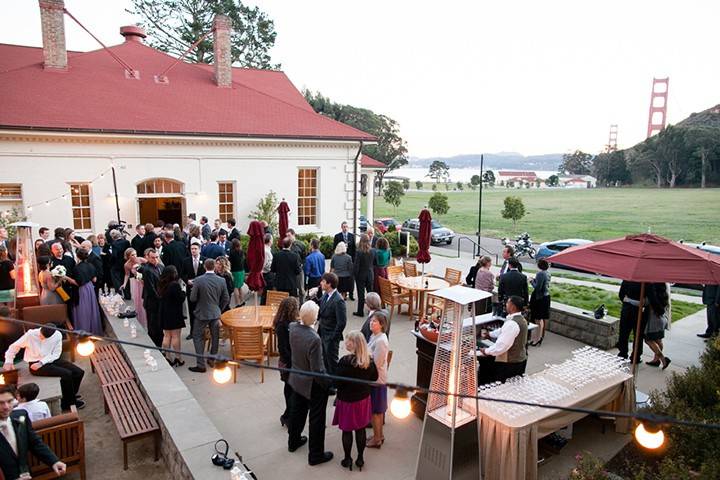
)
(29, 209)
(400, 405)
(85, 346)
(222, 373)
(649, 436)
(47, 203)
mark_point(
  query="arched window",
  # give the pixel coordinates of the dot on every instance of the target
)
(160, 186)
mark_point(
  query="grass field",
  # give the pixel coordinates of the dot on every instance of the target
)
(595, 214)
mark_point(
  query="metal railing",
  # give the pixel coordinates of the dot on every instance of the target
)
(477, 248)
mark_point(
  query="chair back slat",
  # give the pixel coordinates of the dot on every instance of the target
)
(410, 269)
(247, 342)
(452, 276)
(394, 272)
(275, 297)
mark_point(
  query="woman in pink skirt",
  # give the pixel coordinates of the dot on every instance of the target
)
(132, 262)
(352, 407)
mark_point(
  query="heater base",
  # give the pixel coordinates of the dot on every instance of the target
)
(445, 454)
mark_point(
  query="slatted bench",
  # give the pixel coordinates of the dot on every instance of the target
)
(110, 365)
(131, 414)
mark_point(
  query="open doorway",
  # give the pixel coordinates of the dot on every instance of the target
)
(160, 199)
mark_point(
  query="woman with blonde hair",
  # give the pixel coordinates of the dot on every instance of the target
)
(341, 265)
(353, 408)
(379, 347)
(222, 268)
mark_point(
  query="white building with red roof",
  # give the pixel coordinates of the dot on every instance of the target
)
(183, 138)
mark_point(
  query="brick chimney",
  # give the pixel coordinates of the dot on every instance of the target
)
(222, 29)
(53, 32)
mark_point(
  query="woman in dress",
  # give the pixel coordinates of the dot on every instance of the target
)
(484, 280)
(363, 271)
(237, 269)
(658, 321)
(353, 405)
(132, 262)
(379, 347)
(341, 265)
(86, 313)
(222, 268)
(48, 283)
(7, 278)
(381, 261)
(540, 299)
(287, 313)
(172, 320)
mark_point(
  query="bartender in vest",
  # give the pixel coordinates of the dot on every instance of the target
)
(509, 351)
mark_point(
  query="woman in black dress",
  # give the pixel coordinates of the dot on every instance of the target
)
(288, 312)
(363, 272)
(172, 319)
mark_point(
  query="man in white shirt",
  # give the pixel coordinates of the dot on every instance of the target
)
(27, 400)
(43, 347)
(509, 350)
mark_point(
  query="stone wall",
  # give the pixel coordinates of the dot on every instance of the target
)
(573, 323)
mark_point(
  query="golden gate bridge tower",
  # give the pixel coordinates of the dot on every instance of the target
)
(612, 140)
(658, 106)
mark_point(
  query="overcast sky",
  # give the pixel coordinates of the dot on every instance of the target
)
(471, 77)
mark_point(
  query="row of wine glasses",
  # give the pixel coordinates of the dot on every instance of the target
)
(533, 389)
(587, 365)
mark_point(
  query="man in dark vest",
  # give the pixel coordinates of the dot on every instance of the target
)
(510, 348)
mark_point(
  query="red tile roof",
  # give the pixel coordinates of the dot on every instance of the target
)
(369, 162)
(519, 174)
(95, 95)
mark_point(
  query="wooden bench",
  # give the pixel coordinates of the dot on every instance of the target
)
(65, 435)
(131, 414)
(110, 365)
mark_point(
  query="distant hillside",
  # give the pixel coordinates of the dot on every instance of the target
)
(495, 161)
(706, 118)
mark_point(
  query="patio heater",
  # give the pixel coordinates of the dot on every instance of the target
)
(27, 290)
(450, 444)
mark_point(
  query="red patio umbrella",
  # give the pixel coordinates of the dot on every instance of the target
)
(423, 255)
(644, 259)
(283, 210)
(256, 256)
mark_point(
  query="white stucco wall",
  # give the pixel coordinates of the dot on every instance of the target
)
(45, 165)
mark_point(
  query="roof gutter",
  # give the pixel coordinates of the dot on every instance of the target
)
(355, 189)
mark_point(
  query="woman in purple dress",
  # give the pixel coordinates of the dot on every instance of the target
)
(352, 407)
(86, 313)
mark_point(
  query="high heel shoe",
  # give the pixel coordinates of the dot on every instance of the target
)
(538, 343)
(346, 463)
(359, 463)
(372, 443)
(283, 421)
(177, 363)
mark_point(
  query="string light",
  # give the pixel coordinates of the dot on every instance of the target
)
(400, 405)
(64, 196)
(222, 373)
(649, 435)
(85, 346)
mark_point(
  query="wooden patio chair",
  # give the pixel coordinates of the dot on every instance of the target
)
(435, 305)
(393, 299)
(410, 269)
(453, 277)
(56, 314)
(275, 297)
(249, 343)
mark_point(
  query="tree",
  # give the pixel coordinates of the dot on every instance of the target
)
(577, 163)
(418, 184)
(489, 178)
(670, 150)
(174, 25)
(459, 185)
(439, 170)
(267, 210)
(552, 181)
(434, 187)
(475, 180)
(514, 209)
(702, 141)
(537, 183)
(393, 194)
(611, 169)
(406, 184)
(391, 149)
(438, 203)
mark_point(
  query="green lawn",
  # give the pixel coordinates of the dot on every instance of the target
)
(595, 214)
(589, 298)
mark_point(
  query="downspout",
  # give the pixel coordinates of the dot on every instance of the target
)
(355, 189)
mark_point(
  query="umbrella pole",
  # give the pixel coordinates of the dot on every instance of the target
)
(257, 314)
(638, 332)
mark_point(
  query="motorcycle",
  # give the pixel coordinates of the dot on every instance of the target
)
(523, 245)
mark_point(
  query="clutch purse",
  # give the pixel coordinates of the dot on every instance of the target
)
(63, 294)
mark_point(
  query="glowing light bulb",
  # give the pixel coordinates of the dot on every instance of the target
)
(2, 379)
(400, 405)
(222, 373)
(47, 204)
(85, 347)
(29, 209)
(650, 437)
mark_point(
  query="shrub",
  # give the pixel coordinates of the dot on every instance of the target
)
(400, 250)
(588, 467)
(306, 237)
(267, 211)
(439, 204)
(326, 246)
(10, 216)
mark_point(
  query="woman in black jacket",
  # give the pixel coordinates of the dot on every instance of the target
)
(287, 313)
(172, 320)
(363, 272)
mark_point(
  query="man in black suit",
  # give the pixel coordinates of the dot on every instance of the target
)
(332, 319)
(711, 300)
(513, 283)
(234, 231)
(508, 253)
(349, 239)
(174, 252)
(138, 242)
(118, 245)
(17, 438)
(151, 298)
(286, 267)
(205, 229)
(96, 262)
(629, 295)
(192, 267)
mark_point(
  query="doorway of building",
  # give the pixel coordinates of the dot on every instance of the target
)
(160, 199)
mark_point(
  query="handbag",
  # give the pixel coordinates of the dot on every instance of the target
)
(63, 294)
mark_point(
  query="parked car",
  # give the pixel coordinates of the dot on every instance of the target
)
(383, 224)
(715, 250)
(439, 234)
(548, 249)
(363, 223)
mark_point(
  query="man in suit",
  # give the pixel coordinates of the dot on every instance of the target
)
(309, 393)
(148, 239)
(205, 229)
(508, 252)
(513, 283)
(234, 231)
(299, 247)
(151, 298)
(138, 241)
(174, 252)
(212, 249)
(210, 296)
(370, 232)
(629, 295)
(286, 267)
(96, 262)
(711, 300)
(17, 438)
(332, 320)
(223, 241)
(118, 245)
(192, 267)
(349, 239)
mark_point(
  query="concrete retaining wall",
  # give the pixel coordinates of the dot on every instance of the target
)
(571, 322)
